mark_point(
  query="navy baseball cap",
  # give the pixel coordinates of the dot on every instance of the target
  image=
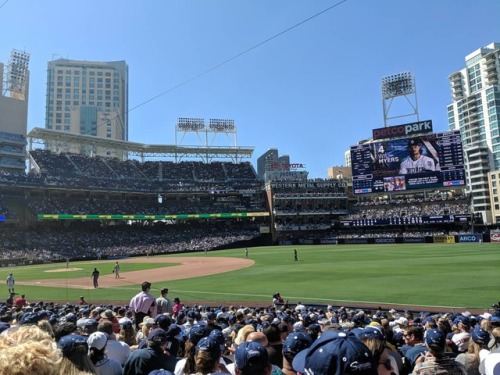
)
(43, 314)
(4, 326)
(87, 323)
(173, 330)
(163, 321)
(210, 345)
(435, 339)
(251, 355)
(295, 342)
(29, 318)
(158, 335)
(160, 372)
(69, 343)
(127, 324)
(211, 316)
(197, 332)
(414, 141)
(218, 336)
(361, 319)
(371, 333)
(480, 336)
(71, 317)
(336, 353)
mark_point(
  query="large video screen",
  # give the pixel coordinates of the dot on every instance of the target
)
(396, 165)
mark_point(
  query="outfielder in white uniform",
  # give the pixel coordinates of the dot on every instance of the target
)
(10, 282)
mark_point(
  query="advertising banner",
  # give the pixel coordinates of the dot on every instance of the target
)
(352, 241)
(495, 237)
(414, 240)
(444, 239)
(469, 238)
(385, 240)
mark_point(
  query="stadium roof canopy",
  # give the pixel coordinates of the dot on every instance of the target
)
(206, 153)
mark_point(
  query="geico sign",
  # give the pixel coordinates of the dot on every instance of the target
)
(401, 130)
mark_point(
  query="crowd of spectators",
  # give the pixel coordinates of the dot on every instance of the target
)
(90, 240)
(411, 208)
(280, 339)
(99, 173)
(72, 165)
(210, 204)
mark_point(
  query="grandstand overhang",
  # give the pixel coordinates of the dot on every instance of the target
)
(205, 153)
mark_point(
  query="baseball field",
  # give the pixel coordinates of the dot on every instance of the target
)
(442, 276)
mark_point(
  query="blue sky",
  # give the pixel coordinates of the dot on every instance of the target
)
(311, 92)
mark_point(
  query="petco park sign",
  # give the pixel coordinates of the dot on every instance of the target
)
(405, 130)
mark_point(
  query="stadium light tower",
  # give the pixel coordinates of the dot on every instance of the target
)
(17, 75)
(399, 85)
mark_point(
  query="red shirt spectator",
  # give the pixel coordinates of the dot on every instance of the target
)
(111, 316)
(20, 301)
(177, 307)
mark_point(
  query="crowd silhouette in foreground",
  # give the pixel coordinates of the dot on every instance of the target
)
(82, 338)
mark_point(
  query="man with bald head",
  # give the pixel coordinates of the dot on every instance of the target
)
(259, 337)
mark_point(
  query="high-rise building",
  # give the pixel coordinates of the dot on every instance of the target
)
(88, 98)
(14, 90)
(475, 111)
(274, 167)
(266, 161)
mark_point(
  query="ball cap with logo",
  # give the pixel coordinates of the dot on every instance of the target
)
(294, 343)
(69, 343)
(210, 345)
(435, 339)
(251, 355)
(336, 353)
(414, 141)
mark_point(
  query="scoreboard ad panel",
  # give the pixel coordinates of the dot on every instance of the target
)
(396, 165)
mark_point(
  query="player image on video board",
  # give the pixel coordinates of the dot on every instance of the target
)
(405, 156)
(416, 161)
(426, 161)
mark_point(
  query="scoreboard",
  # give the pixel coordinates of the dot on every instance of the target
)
(378, 167)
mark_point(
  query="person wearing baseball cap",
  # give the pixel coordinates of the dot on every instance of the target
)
(97, 345)
(251, 358)
(477, 350)
(416, 161)
(336, 353)
(207, 356)
(294, 343)
(74, 350)
(143, 361)
(186, 365)
(435, 360)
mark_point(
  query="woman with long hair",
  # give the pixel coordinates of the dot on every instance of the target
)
(186, 365)
(28, 350)
(477, 350)
(146, 326)
(74, 349)
(207, 356)
(127, 334)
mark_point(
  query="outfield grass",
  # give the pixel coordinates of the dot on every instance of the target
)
(445, 275)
